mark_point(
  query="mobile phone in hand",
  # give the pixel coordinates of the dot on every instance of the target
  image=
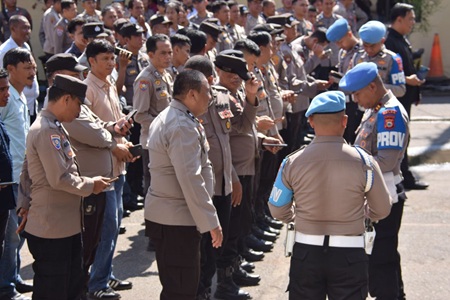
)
(136, 150)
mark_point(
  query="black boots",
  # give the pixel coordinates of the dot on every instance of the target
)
(226, 288)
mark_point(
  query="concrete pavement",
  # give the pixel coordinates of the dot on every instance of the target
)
(424, 237)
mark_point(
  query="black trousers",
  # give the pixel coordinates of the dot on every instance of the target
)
(385, 280)
(295, 123)
(4, 216)
(177, 250)
(209, 255)
(94, 209)
(267, 171)
(318, 271)
(57, 267)
(354, 119)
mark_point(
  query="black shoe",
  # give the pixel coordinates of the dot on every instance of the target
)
(257, 244)
(272, 222)
(24, 287)
(226, 288)
(263, 235)
(122, 230)
(134, 206)
(251, 255)
(120, 285)
(242, 278)
(247, 266)
(416, 185)
(150, 246)
(107, 293)
(126, 213)
(14, 295)
(204, 295)
(267, 228)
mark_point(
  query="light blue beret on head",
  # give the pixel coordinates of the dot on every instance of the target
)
(359, 77)
(372, 32)
(327, 103)
(338, 30)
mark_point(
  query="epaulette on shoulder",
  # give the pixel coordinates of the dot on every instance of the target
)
(298, 150)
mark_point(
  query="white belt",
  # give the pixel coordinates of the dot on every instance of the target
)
(340, 241)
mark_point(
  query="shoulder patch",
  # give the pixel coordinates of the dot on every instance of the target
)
(59, 31)
(56, 141)
(391, 129)
(143, 85)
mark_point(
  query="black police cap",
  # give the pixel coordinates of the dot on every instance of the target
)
(63, 61)
(232, 62)
(72, 85)
(130, 29)
(94, 30)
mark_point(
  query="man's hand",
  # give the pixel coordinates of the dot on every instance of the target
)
(123, 126)
(23, 213)
(216, 237)
(264, 123)
(141, 22)
(236, 195)
(100, 183)
(414, 80)
(322, 85)
(288, 96)
(251, 88)
(124, 60)
(122, 153)
(272, 140)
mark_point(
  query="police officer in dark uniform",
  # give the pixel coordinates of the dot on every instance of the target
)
(384, 133)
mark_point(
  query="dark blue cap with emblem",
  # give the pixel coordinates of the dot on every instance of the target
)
(359, 77)
(338, 30)
(372, 32)
(327, 103)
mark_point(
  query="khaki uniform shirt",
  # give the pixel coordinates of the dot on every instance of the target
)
(355, 16)
(182, 179)
(273, 89)
(252, 22)
(237, 32)
(225, 42)
(97, 17)
(326, 182)
(265, 105)
(105, 104)
(310, 60)
(305, 27)
(390, 68)
(384, 132)
(56, 186)
(297, 79)
(326, 22)
(284, 10)
(243, 143)
(217, 124)
(196, 19)
(152, 94)
(345, 58)
(61, 38)
(51, 17)
(134, 68)
(92, 141)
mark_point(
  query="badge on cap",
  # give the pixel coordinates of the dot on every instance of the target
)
(56, 141)
(291, 19)
(97, 29)
(143, 85)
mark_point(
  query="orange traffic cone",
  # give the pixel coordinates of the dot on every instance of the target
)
(436, 66)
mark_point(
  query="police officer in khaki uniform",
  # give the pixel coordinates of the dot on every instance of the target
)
(179, 206)
(49, 20)
(53, 222)
(254, 15)
(383, 132)
(217, 124)
(61, 38)
(341, 34)
(328, 256)
(152, 90)
(390, 65)
(90, 13)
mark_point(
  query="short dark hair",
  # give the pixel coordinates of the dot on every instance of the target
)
(187, 80)
(15, 56)
(312, 8)
(320, 34)
(16, 20)
(153, 41)
(178, 6)
(72, 26)
(3, 73)
(106, 9)
(98, 46)
(232, 3)
(217, 6)
(261, 38)
(200, 63)
(65, 4)
(180, 40)
(265, 3)
(400, 10)
(198, 40)
(248, 46)
(55, 93)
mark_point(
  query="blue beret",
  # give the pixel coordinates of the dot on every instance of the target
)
(327, 103)
(372, 32)
(359, 77)
(338, 30)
